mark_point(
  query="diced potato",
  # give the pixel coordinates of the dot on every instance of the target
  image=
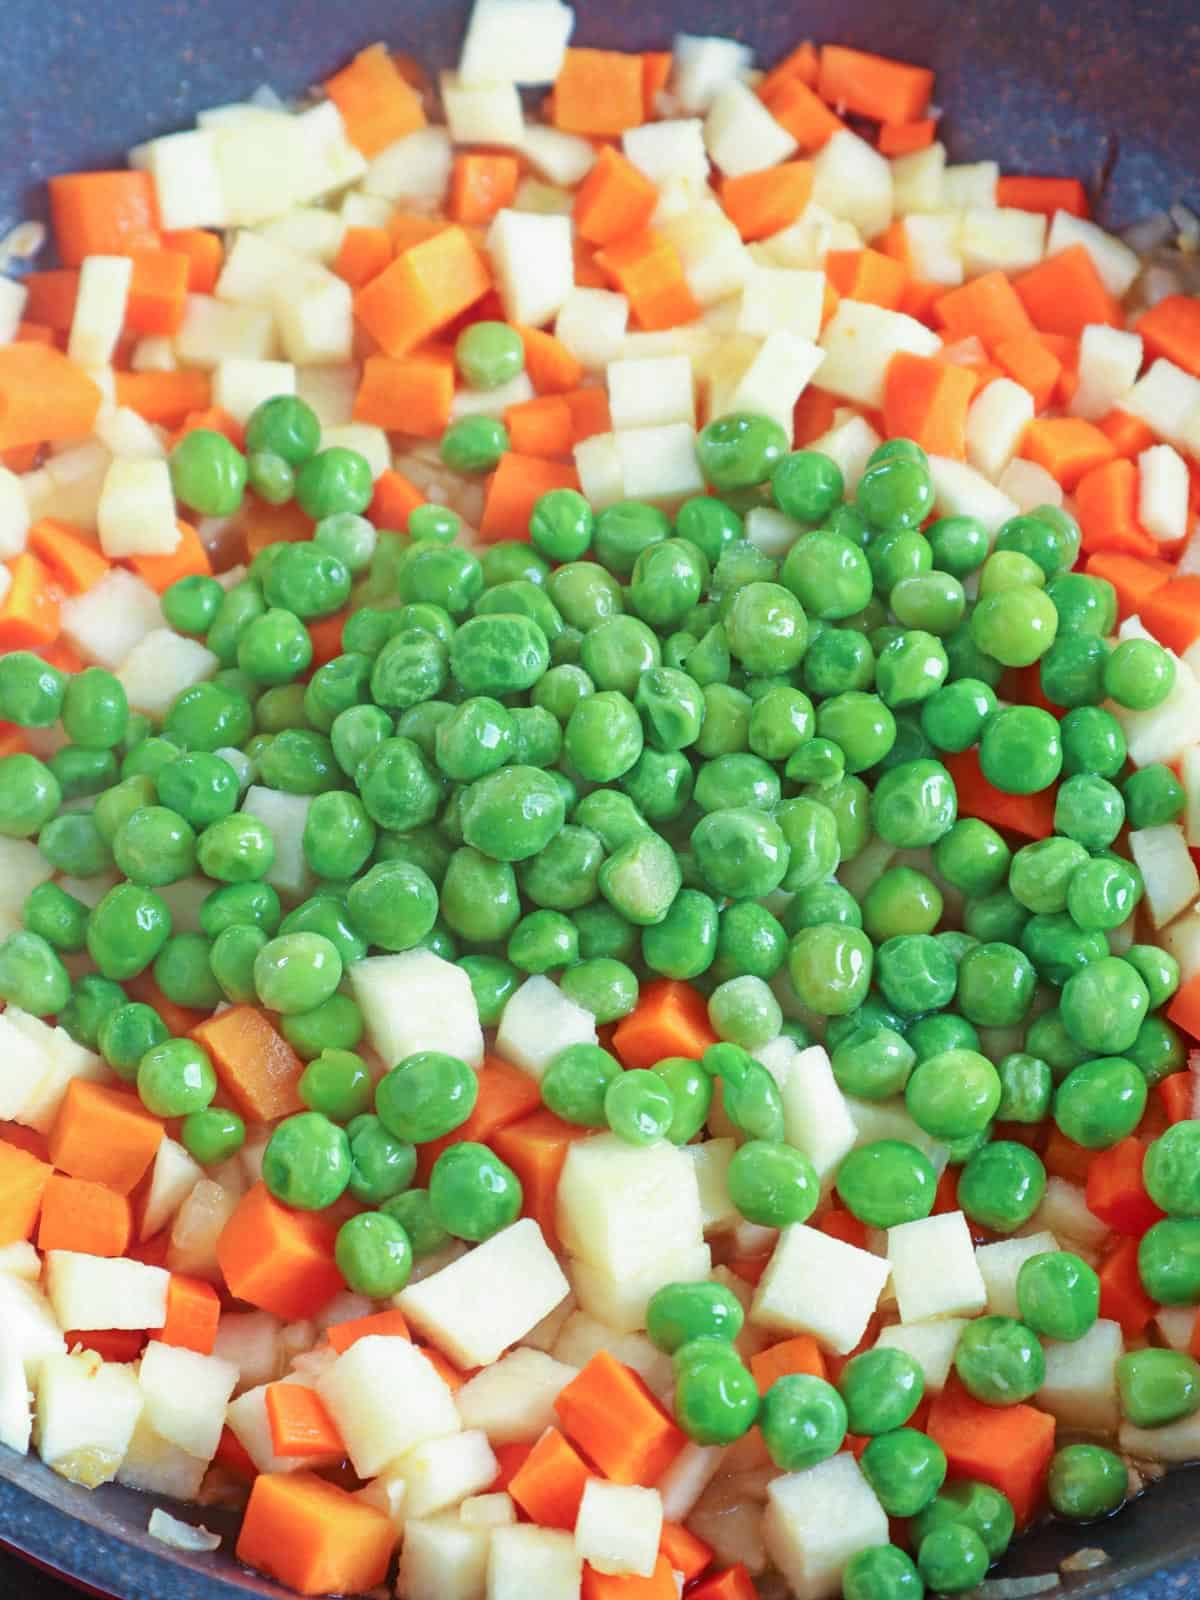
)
(68, 1060)
(598, 463)
(607, 1190)
(330, 161)
(172, 1178)
(241, 384)
(1177, 1442)
(513, 1401)
(414, 169)
(20, 1260)
(197, 1227)
(618, 1528)
(563, 159)
(889, 1119)
(1080, 1388)
(996, 423)
(370, 442)
(711, 1158)
(22, 868)
(187, 179)
(716, 263)
(1166, 398)
(441, 1473)
(285, 815)
(136, 514)
(1190, 777)
(87, 1410)
(526, 1561)
(1064, 1213)
(592, 323)
(514, 1274)
(960, 491)
(314, 315)
(686, 1479)
(859, 342)
(930, 1344)
(1001, 240)
(795, 1296)
(651, 392)
(99, 309)
(850, 444)
(253, 269)
(855, 182)
(1027, 485)
(386, 1399)
(160, 667)
(539, 1022)
(127, 435)
(25, 1066)
(733, 1527)
(1172, 882)
(934, 242)
(29, 1324)
(703, 66)
(546, 1334)
(1109, 362)
(620, 1299)
(155, 1466)
(1163, 493)
(443, 1559)
(482, 112)
(261, 161)
(492, 402)
(308, 231)
(660, 465)
(1112, 258)
(330, 392)
(777, 376)
(816, 1520)
(16, 1420)
(970, 186)
(488, 1511)
(14, 515)
(771, 531)
(534, 264)
(153, 354)
(741, 135)
(73, 483)
(96, 1292)
(546, 198)
(816, 1117)
(670, 149)
(250, 1341)
(934, 1268)
(919, 180)
(582, 1336)
(212, 331)
(1176, 1324)
(416, 1001)
(1000, 1264)
(517, 41)
(361, 210)
(782, 298)
(186, 1395)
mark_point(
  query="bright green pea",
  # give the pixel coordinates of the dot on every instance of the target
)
(381, 1166)
(208, 473)
(1000, 1361)
(374, 1255)
(906, 1469)
(472, 1193)
(881, 1389)
(606, 987)
(953, 1094)
(1086, 1482)
(886, 1183)
(1058, 1295)
(803, 1421)
(176, 1078)
(297, 971)
(741, 450)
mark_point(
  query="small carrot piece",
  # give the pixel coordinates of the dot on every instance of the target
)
(927, 401)
(233, 1457)
(52, 296)
(1063, 1158)
(813, 415)
(257, 1067)
(193, 1314)
(874, 86)
(648, 269)
(800, 109)
(1106, 505)
(844, 1225)
(803, 62)
(86, 1217)
(121, 1345)
(670, 1019)
(684, 1551)
(103, 214)
(1028, 362)
(34, 333)
(325, 635)
(1029, 814)
(300, 1423)
(263, 525)
(413, 394)
(867, 275)
(1116, 1192)
(735, 1583)
(541, 427)
(1122, 1296)
(72, 556)
(614, 200)
(278, 1260)
(791, 1356)
(24, 1179)
(513, 490)
(1127, 434)
(362, 255)
(987, 308)
(104, 1135)
(1047, 195)
(660, 1585)
(762, 203)
(205, 253)
(906, 138)
(424, 288)
(377, 105)
(158, 291)
(1184, 1009)
(313, 1537)
(608, 1411)
(589, 413)
(549, 1484)
(656, 72)
(599, 92)
(165, 397)
(1172, 613)
(189, 559)
(552, 368)
(1064, 293)
(481, 184)
(510, 1458)
(27, 1139)
(505, 1095)
(1134, 578)
(536, 1148)
(381, 1324)
(1171, 330)
(407, 228)
(29, 612)
(44, 397)
(1176, 1095)
(393, 501)
(1067, 447)
(214, 420)
(1007, 1446)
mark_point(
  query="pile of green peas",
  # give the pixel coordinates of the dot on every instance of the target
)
(640, 746)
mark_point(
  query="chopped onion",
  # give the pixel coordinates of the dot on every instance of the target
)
(1188, 224)
(181, 1535)
(1084, 1560)
(1018, 1588)
(23, 242)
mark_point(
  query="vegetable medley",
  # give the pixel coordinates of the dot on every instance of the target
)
(600, 770)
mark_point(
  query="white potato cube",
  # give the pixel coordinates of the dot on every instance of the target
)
(782, 298)
(1027, 485)
(513, 1401)
(1163, 493)
(253, 269)
(250, 1424)
(443, 1559)
(310, 232)
(329, 161)
(777, 376)
(1116, 263)
(439, 1473)
(87, 1410)
(686, 1479)
(817, 1520)
(315, 318)
(534, 195)
(285, 815)
(488, 1511)
(934, 243)
(996, 424)
(1109, 362)
(98, 1292)
(68, 1060)
(125, 434)
(711, 1158)
(29, 1325)
(20, 1260)
(492, 402)
(330, 391)
(607, 1190)
(1177, 1442)
(250, 1340)
(482, 112)
(14, 515)
(518, 41)
(796, 1294)
(816, 1117)
(99, 309)
(513, 1273)
(136, 514)
(186, 1395)
(160, 667)
(386, 1399)
(889, 1119)
(855, 182)
(526, 1561)
(1000, 1264)
(1166, 398)
(970, 185)
(416, 1001)
(212, 331)
(1001, 240)
(414, 169)
(582, 1336)
(934, 1269)
(72, 483)
(198, 1225)
(592, 323)
(261, 161)
(859, 342)
(660, 465)
(359, 210)
(154, 354)
(619, 1528)
(538, 1023)
(670, 149)
(960, 490)
(114, 616)
(716, 263)
(172, 1178)
(1080, 1386)
(598, 463)
(1190, 777)
(546, 1335)
(240, 384)
(26, 1066)
(16, 1419)
(534, 264)
(918, 180)
(703, 66)
(930, 1344)
(563, 159)
(771, 531)
(1064, 1213)
(156, 1466)
(621, 1299)
(1172, 882)
(187, 179)
(651, 392)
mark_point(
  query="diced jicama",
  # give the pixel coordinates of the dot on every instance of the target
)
(703, 66)
(666, 150)
(960, 491)
(741, 135)
(608, 1185)
(793, 1295)
(186, 1395)
(934, 1268)
(1109, 362)
(415, 168)
(386, 1399)
(592, 323)
(777, 376)
(87, 1410)
(816, 1117)
(513, 1401)
(439, 1473)
(136, 514)
(930, 1344)
(538, 1022)
(212, 331)
(970, 185)
(598, 463)
(619, 1528)
(416, 1001)
(253, 268)
(855, 182)
(526, 1561)
(918, 181)
(160, 667)
(517, 41)
(187, 179)
(1168, 871)
(784, 298)
(859, 342)
(443, 1559)
(1000, 1263)
(1001, 240)
(711, 1158)
(28, 1323)
(99, 309)
(1163, 493)
(534, 264)
(242, 383)
(285, 815)
(1166, 398)
(996, 423)
(1112, 258)
(817, 1520)
(482, 112)
(1080, 1387)
(659, 465)
(97, 1292)
(646, 393)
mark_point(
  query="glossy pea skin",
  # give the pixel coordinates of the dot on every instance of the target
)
(887, 1183)
(830, 968)
(126, 930)
(58, 917)
(576, 1081)
(953, 1094)
(32, 977)
(979, 1506)
(606, 987)
(1100, 1102)
(1139, 674)
(906, 1469)
(479, 897)
(1026, 1088)
(1172, 1170)
(1058, 1295)
(1086, 1482)
(1153, 796)
(914, 804)
(685, 942)
(297, 971)
(1040, 874)
(996, 982)
(767, 628)
(472, 1193)
(412, 1210)
(1002, 1185)
(901, 901)
(972, 857)
(426, 1096)
(565, 875)
(1104, 1006)
(915, 973)
(952, 1559)
(807, 485)
(1021, 750)
(773, 1185)
(1157, 1387)
(1000, 1361)
(381, 1166)
(873, 1064)
(881, 1389)
(680, 1312)
(740, 450)
(307, 1163)
(882, 1572)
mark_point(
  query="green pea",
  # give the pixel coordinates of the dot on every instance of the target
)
(61, 919)
(881, 1389)
(680, 1312)
(807, 485)
(1104, 1006)
(426, 1096)
(749, 941)
(396, 785)
(1086, 1482)
(709, 524)
(952, 1559)
(838, 659)
(1026, 1088)
(374, 1255)
(887, 1183)
(32, 976)
(1157, 1387)
(685, 942)
(954, 1094)
(741, 450)
(176, 1078)
(1100, 1102)
(327, 914)
(83, 772)
(691, 1090)
(745, 1011)
(873, 1064)
(999, 1361)
(543, 941)
(297, 971)
(916, 974)
(381, 1166)
(803, 1421)
(882, 1572)
(930, 1036)
(741, 852)
(1139, 674)
(914, 804)
(1021, 750)
(1058, 1295)
(639, 1107)
(979, 1506)
(830, 968)
(393, 905)
(479, 899)
(996, 982)
(906, 1469)
(29, 795)
(972, 857)
(1153, 796)
(895, 492)
(412, 1210)
(306, 1163)
(901, 901)
(1002, 1185)
(606, 987)
(472, 1193)
(208, 473)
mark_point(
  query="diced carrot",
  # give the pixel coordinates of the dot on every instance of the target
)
(513, 490)
(86, 1217)
(919, 299)
(1184, 1009)
(165, 397)
(867, 275)
(158, 292)
(21, 458)
(13, 742)
(1046, 195)
(234, 1458)
(179, 1019)
(71, 554)
(541, 427)
(549, 1485)
(411, 395)
(1127, 434)
(193, 1312)
(394, 500)
(670, 1019)
(1171, 330)
(615, 199)
(214, 420)
(104, 1135)
(1007, 1446)
(1122, 1296)
(844, 1225)
(608, 1411)
(1134, 578)
(1063, 1158)
(552, 368)
(189, 559)
(279, 1260)
(1176, 1094)
(945, 1197)
(813, 415)
(121, 1345)
(660, 1585)
(27, 1139)
(1106, 505)
(43, 396)
(481, 184)
(656, 71)
(380, 1324)
(1172, 613)
(29, 612)
(684, 1551)
(407, 228)
(445, 1369)
(648, 269)
(257, 1067)
(300, 1423)
(377, 105)
(874, 86)
(51, 297)
(800, 109)
(735, 1583)
(1116, 1192)
(34, 333)
(762, 203)
(599, 92)
(988, 308)
(103, 214)
(536, 1148)
(1029, 814)
(927, 400)
(23, 1183)
(1028, 362)
(510, 1458)
(314, 1537)
(205, 254)
(1064, 293)
(325, 635)
(263, 525)
(589, 413)
(1067, 447)
(151, 1252)
(803, 62)
(362, 255)
(905, 138)
(424, 288)
(749, 1268)
(799, 1355)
